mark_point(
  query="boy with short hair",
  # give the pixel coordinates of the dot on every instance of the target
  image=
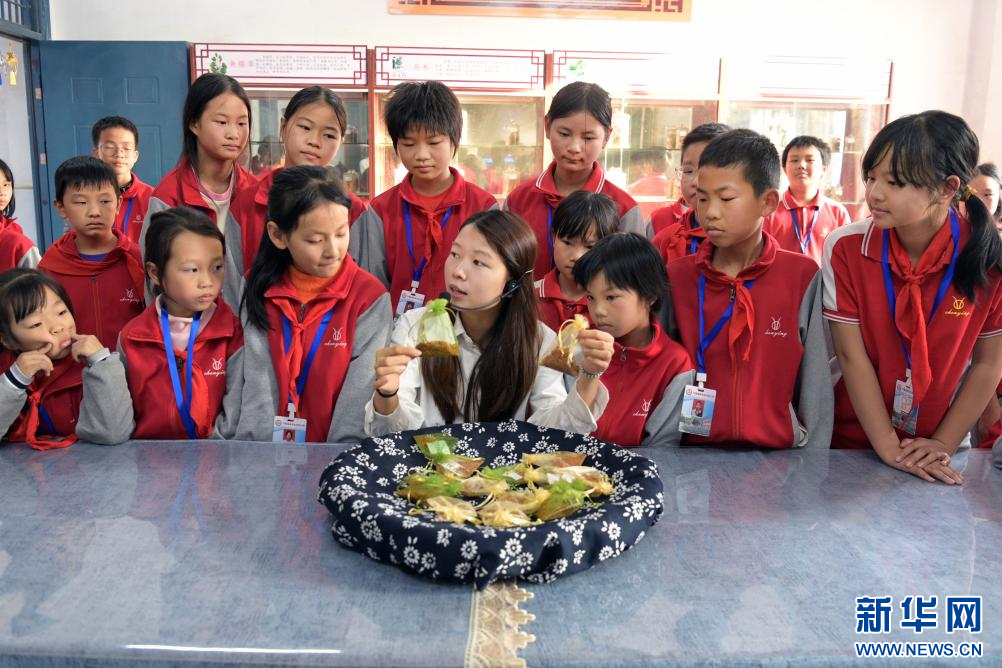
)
(580, 220)
(116, 144)
(749, 313)
(805, 217)
(675, 229)
(406, 234)
(100, 268)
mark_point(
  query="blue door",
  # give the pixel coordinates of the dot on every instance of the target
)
(83, 81)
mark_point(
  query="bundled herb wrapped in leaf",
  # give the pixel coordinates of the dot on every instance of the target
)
(558, 459)
(527, 500)
(565, 499)
(448, 509)
(423, 485)
(478, 485)
(598, 482)
(438, 448)
(504, 515)
(532, 475)
(560, 355)
(436, 335)
(510, 474)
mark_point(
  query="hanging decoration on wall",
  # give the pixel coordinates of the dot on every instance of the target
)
(8, 65)
(639, 10)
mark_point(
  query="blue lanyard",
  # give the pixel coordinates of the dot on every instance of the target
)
(183, 401)
(549, 231)
(706, 339)
(805, 239)
(304, 370)
(892, 298)
(49, 425)
(694, 242)
(410, 240)
(128, 215)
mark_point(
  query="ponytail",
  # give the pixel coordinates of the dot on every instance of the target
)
(983, 251)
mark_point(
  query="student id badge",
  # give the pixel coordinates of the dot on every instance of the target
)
(288, 430)
(697, 409)
(410, 299)
(904, 412)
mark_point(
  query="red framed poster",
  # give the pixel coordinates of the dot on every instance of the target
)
(285, 65)
(638, 10)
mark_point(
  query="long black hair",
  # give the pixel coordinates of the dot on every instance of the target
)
(206, 88)
(511, 347)
(580, 96)
(295, 192)
(312, 94)
(925, 150)
(8, 211)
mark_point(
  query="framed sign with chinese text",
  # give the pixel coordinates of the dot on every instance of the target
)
(462, 69)
(285, 65)
(640, 10)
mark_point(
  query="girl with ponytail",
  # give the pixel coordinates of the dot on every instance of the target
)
(914, 299)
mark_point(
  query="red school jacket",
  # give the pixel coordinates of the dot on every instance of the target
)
(142, 348)
(679, 239)
(132, 209)
(348, 296)
(780, 224)
(13, 244)
(250, 209)
(553, 307)
(536, 200)
(106, 294)
(668, 215)
(636, 380)
(179, 188)
(855, 294)
(61, 394)
(393, 260)
(754, 396)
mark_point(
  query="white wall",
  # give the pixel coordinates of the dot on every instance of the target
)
(15, 141)
(928, 40)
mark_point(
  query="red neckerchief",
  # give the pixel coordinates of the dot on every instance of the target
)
(675, 240)
(454, 196)
(27, 431)
(744, 308)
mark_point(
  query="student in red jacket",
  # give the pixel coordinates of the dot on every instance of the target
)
(914, 300)
(182, 344)
(16, 250)
(216, 121)
(116, 144)
(749, 313)
(313, 322)
(313, 126)
(805, 217)
(404, 237)
(578, 125)
(580, 221)
(57, 385)
(100, 268)
(626, 281)
(674, 229)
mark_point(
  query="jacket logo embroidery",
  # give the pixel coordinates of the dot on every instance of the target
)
(130, 296)
(776, 328)
(337, 334)
(645, 408)
(959, 309)
(217, 368)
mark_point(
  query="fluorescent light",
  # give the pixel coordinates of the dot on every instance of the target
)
(233, 650)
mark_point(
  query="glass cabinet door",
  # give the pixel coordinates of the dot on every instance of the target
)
(501, 144)
(847, 128)
(266, 151)
(644, 153)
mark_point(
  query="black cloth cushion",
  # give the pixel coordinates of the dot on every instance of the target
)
(358, 489)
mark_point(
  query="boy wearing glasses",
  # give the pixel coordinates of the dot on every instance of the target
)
(116, 143)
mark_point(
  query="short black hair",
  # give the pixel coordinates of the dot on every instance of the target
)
(8, 211)
(22, 292)
(706, 132)
(629, 262)
(582, 210)
(165, 226)
(581, 96)
(747, 149)
(806, 141)
(428, 105)
(109, 122)
(82, 171)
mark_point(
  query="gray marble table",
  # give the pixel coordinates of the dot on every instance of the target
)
(216, 554)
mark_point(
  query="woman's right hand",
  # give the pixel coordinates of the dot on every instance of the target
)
(390, 363)
(33, 361)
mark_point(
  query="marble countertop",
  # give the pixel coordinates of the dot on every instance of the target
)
(217, 553)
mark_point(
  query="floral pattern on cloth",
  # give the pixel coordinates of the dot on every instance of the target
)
(358, 489)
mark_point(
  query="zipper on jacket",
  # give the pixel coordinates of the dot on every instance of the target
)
(302, 313)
